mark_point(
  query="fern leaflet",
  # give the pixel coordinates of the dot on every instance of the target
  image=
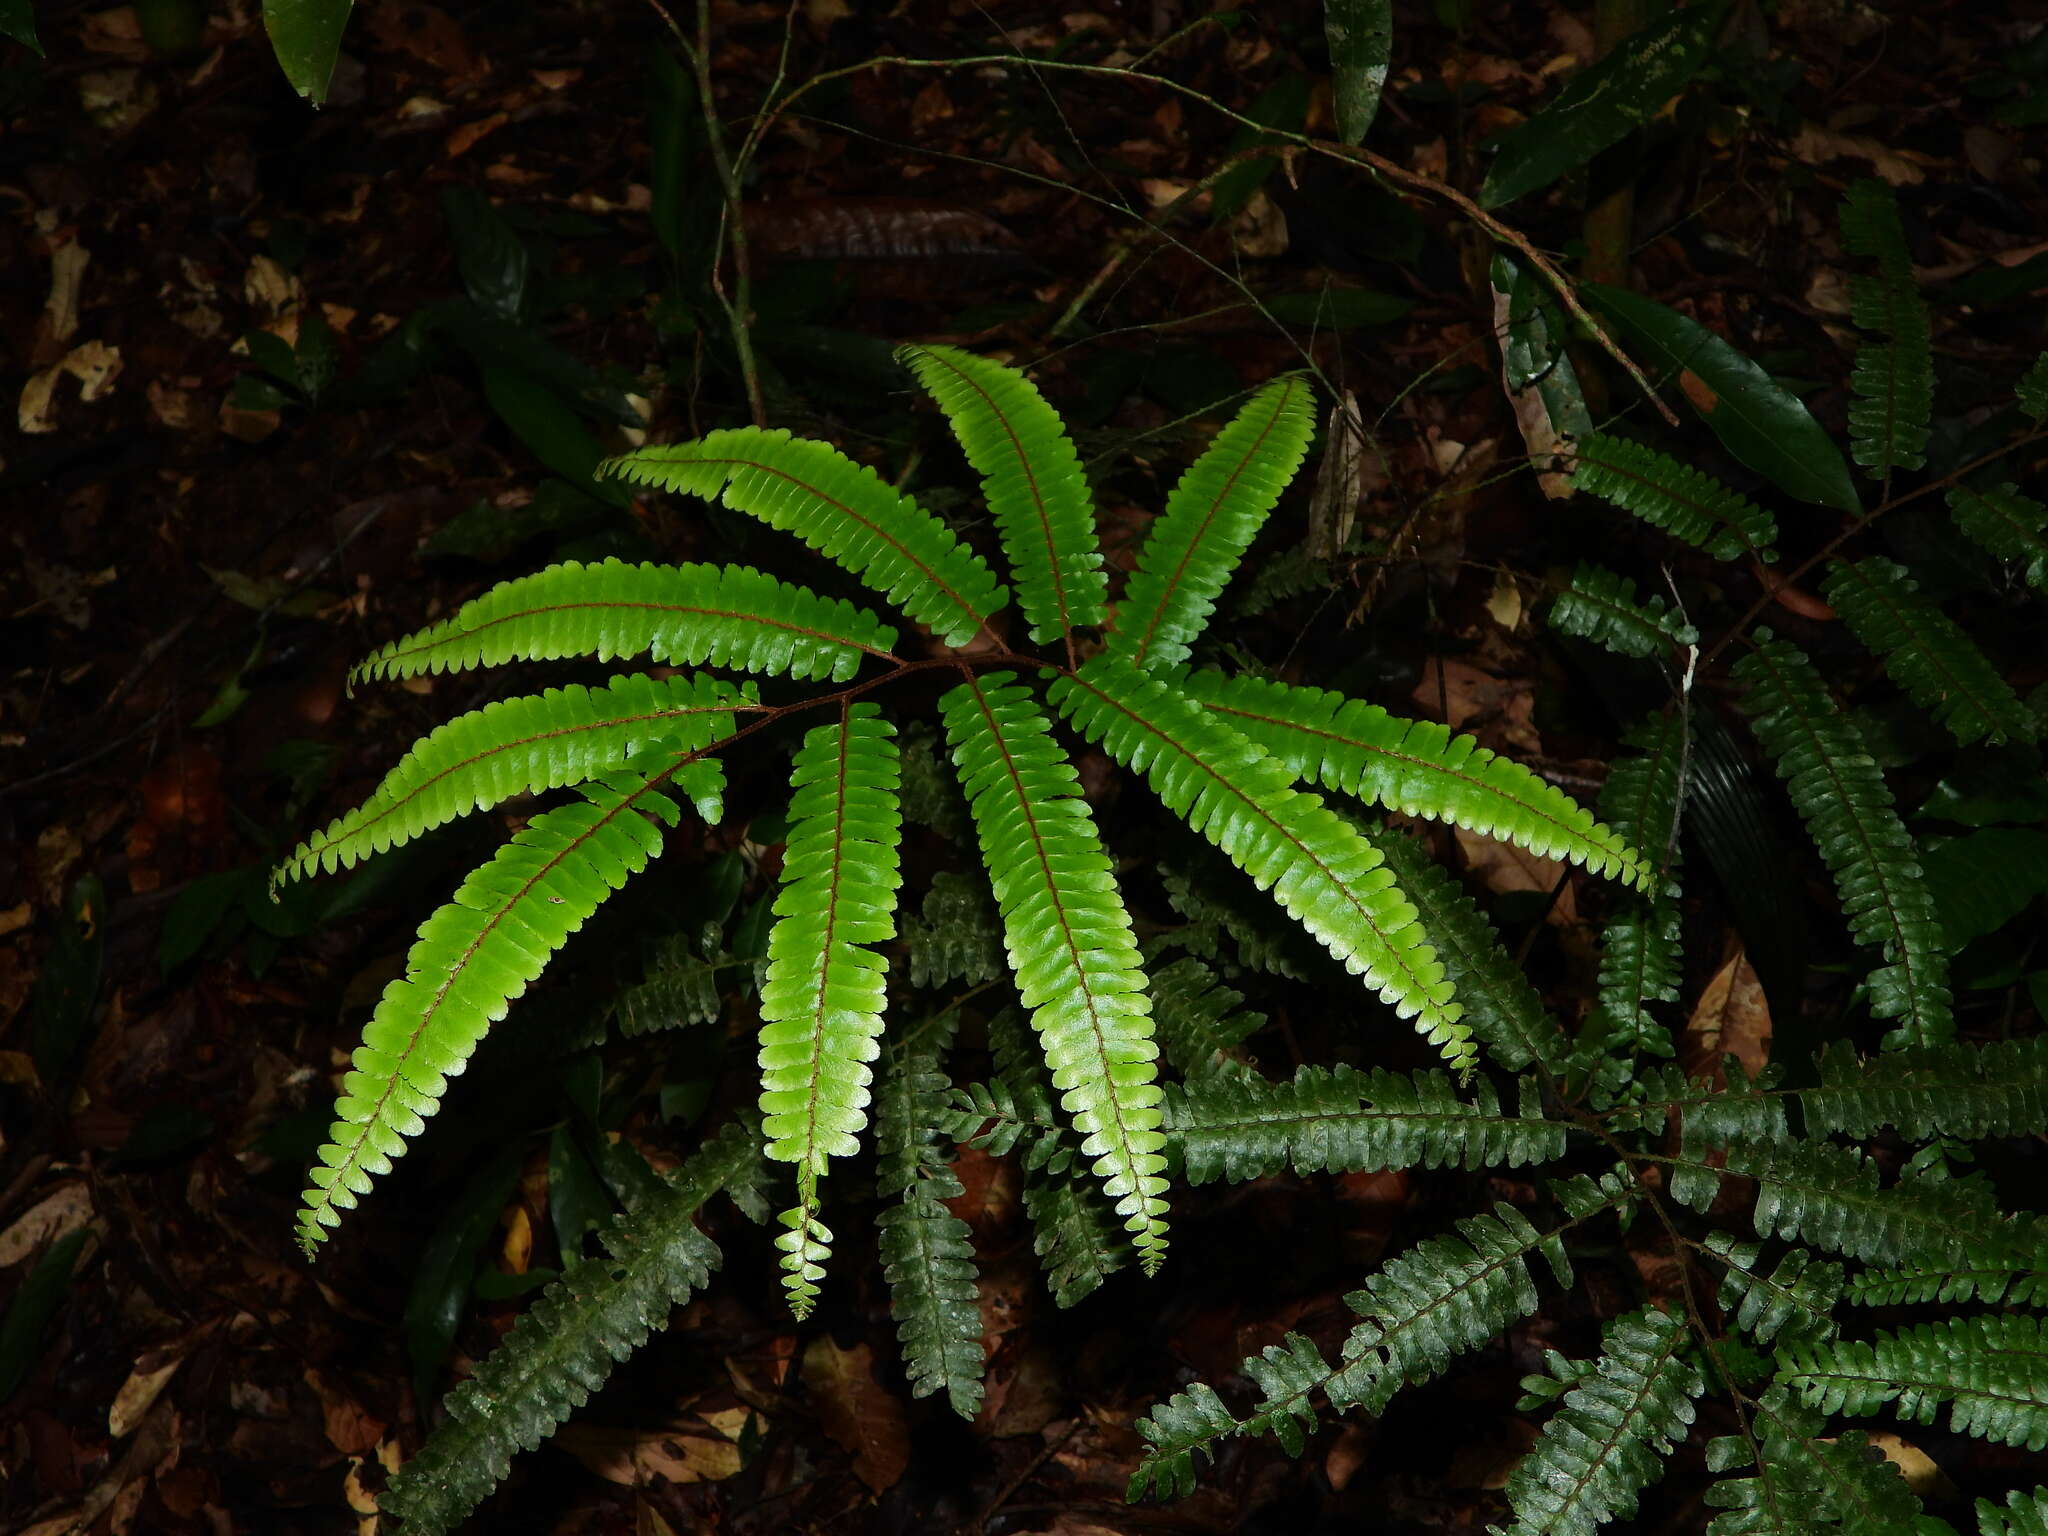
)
(1601, 606)
(1840, 793)
(841, 509)
(1684, 502)
(1209, 522)
(1894, 378)
(688, 615)
(2006, 523)
(474, 956)
(1992, 1372)
(1197, 1029)
(1327, 877)
(2025, 1514)
(1416, 767)
(1032, 480)
(1926, 652)
(957, 937)
(1610, 1438)
(1069, 939)
(1074, 1235)
(1795, 1302)
(1999, 1088)
(822, 1001)
(1804, 1484)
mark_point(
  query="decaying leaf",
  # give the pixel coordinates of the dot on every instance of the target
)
(856, 1412)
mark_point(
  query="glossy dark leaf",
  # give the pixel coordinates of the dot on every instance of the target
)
(307, 37)
(1603, 104)
(18, 21)
(61, 1006)
(24, 1335)
(1983, 881)
(1361, 37)
(1757, 420)
(551, 429)
(441, 1284)
(488, 250)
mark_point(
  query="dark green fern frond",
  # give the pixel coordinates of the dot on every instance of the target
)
(2024, 1514)
(1185, 1425)
(1502, 1009)
(2013, 1278)
(1337, 1119)
(1210, 520)
(1991, 1372)
(1806, 1482)
(822, 1001)
(686, 615)
(472, 958)
(927, 1259)
(1664, 493)
(1610, 1438)
(1794, 1303)
(1926, 652)
(1327, 877)
(523, 746)
(2008, 524)
(1894, 378)
(1417, 767)
(1032, 480)
(1069, 938)
(1196, 1020)
(1205, 890)
(843, 510)
(565, 1346)
(1074, 1235)
(1971, 1091)
(958, 937)
(1840, 793)
(1601, 606)
(2031, 392)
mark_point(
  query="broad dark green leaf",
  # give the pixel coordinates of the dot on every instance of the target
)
(577, 1197)
(551, 429)
(1983, 881)
(495, 342)
(1361, 37)
(1603, 103)
(201, 908)
(441, 1284)
(18, 21)
(1284, 104)
(22, 1336)
(61, 1007)
(671, 118)
(1532, 348)
(492, 258)
(1756, 420)
(306, 35)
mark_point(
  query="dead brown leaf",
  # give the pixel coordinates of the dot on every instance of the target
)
(1504, 867)
(56, 1215)
(634, 1456)
(150, 1376)
(1732, 1018)
(856, 1412)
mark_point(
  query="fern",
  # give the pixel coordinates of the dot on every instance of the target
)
(926, 1257)
(957, 937)
(1794, 1303)
(680, 986)
(1074, 1235)
(473, 957)
(821, 1005)
(1339, 1120)
(1971, 1091)
(1894, 378)
(1991, 1372)
(1416, 767)
(1804, 1484)
(2006, 523)
(841, 509)
(1210, 520)
(2025, 1514)
(1840, 793)
(1609, 1439)
(1069, 940)
(1329, 879)
(2031, 392)
(1032, 479)
(565, 1346)
(1602, 606)
(1197, 1029)
(1926, 652)
(523, 746)
(1675, 497)
(687, 615)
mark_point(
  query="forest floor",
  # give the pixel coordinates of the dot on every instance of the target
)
(201, 535)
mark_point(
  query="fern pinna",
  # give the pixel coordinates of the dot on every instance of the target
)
(1241, 760)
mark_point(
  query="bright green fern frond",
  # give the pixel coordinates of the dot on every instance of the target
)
(1794, 1303)
(821, 1005)
(1806, 1481)
(1992, 1372)
(1032, 480)
(688, 615)
(1069, 939)
(1926, 652)
(1416, 767)
(1328, 878)
(565, 1346)
(472, 958)
(1601, 606)
(1972, 1091)
(1681, 500)
(843, 510)
(522, 746)
(1839, 791)
(1341, 1120)
(2007, 523)
(1195, 1018)
(1209, 522)
(2024, 1514)
(1894, 378)
(926, 1257)
(1502, 1009)
(1610, 1438)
